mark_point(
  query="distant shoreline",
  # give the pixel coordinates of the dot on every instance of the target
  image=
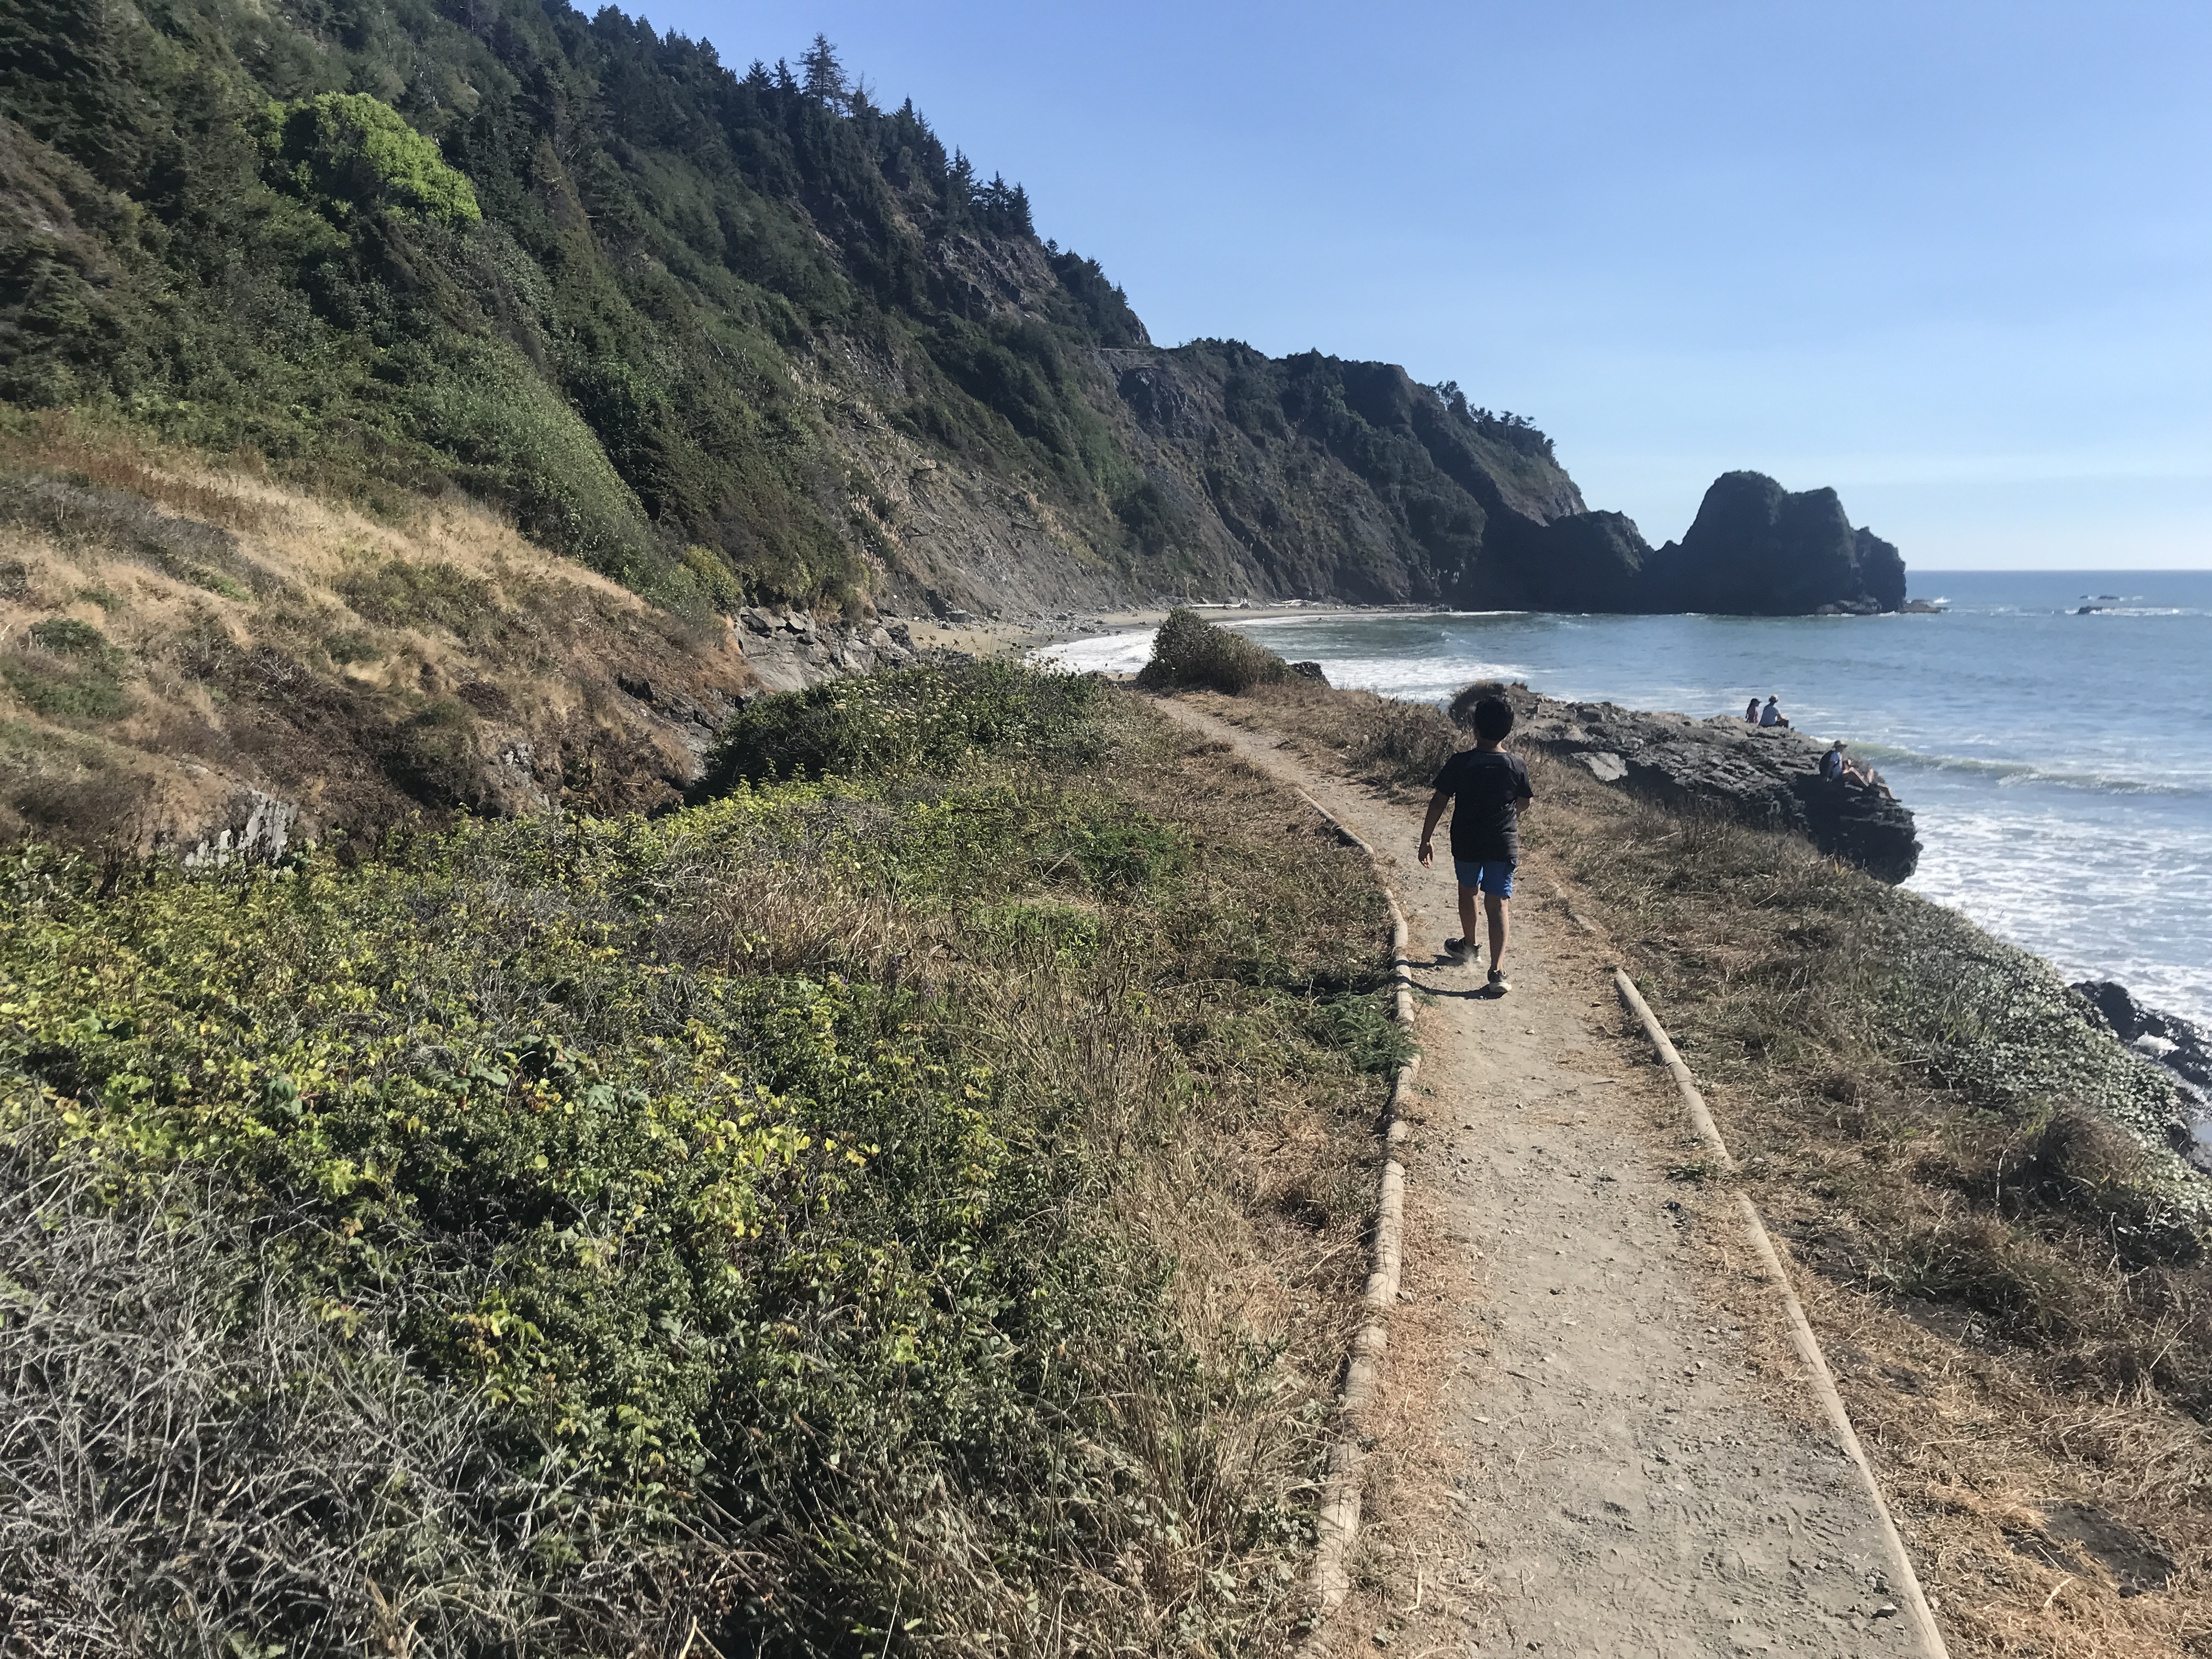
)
(1010, 637)
(1004, 636)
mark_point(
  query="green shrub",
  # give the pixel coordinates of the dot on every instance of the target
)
(71, 638)
(1190, 653)
(566, 1228)
(80, 679)
(345, 648)
(398, 594)
(433, 754)
(345, 153)
(896, 723)
(214, 582)
(710, 573)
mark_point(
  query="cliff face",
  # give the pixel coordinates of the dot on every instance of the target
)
(1311, 477)
(727, 338)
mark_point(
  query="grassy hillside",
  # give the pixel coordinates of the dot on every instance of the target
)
(716, 333)
(912, 1208)
(188, 649)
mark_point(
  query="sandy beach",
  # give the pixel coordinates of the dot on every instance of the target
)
(1015, 636)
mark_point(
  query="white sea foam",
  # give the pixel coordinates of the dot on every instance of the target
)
(1105, 653)
(2095, 899)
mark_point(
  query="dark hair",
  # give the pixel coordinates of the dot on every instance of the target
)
(1493, 719)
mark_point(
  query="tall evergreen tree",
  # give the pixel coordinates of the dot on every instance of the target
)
(825, 76)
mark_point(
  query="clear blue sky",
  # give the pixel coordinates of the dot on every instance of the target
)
(1952, 258)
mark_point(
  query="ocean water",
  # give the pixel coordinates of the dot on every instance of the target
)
(2059, 764)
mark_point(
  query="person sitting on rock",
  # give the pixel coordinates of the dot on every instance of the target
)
(1772, 715)
(1850, 771)
(1751, 711)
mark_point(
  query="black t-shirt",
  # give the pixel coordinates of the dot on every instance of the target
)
(1485, 785)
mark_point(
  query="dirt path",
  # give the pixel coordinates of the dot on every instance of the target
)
(1598, 1440)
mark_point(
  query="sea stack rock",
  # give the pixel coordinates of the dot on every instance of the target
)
(1758, 549)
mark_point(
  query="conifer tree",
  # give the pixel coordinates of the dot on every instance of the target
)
(825, 76)
(960, 191)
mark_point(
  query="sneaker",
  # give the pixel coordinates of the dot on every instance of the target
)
(1456, 949)
(1499, 985)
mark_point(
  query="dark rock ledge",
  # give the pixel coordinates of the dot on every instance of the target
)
(2180, 1046)
(1769, 778)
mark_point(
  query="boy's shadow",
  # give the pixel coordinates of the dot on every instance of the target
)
(1478, 992)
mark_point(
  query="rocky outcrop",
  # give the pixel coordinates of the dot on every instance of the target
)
(1315, 477)
(789, 650)
(2180, 1046)
(255, 829)
(1770, 779)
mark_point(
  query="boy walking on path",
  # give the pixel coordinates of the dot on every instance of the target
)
(1491, 789)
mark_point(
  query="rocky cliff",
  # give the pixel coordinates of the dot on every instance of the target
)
(1757, 549)
(738, 339)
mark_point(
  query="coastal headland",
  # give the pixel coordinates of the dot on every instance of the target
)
(994, 1043)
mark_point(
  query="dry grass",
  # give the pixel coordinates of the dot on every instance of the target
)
(2019, 1310)
(186, 1437)
(268, 640)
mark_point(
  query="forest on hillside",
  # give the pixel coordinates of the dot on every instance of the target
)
(566, 264)
(702, 328)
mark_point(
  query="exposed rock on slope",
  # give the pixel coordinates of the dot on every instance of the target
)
(1314, 478)
(788, 649)
(2180, 1046)
(1768, 778)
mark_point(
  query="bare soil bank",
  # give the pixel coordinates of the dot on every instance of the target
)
(1600, 1441)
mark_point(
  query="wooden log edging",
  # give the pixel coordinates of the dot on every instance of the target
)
(1338, 1518)
(1800, 1329)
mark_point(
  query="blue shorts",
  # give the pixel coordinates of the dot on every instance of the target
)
(1493, 875)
